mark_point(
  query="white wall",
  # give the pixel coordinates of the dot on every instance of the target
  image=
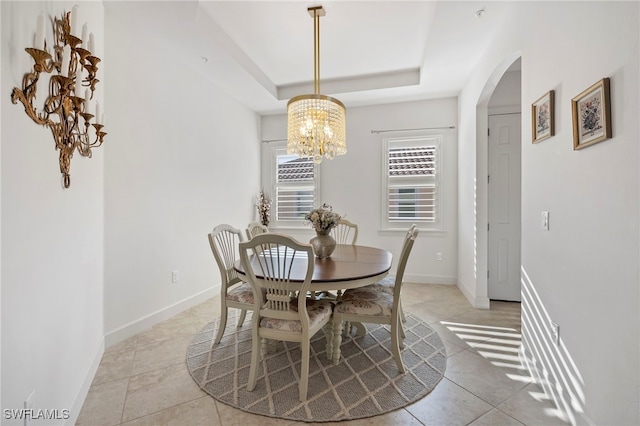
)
(182, 158)
(506, 97)
(352, 183)
(52, 238)
(1, 405)
(582, 273)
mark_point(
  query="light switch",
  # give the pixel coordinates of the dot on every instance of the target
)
(545, 221)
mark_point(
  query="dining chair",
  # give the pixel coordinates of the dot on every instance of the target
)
(286, 314)
(234, 293)
(372, 304)
(388, 282)
(345, 232)
(386, 285)
(255, 228)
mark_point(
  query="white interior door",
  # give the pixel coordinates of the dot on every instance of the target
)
(504, 207)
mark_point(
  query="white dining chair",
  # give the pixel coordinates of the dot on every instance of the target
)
(345, 232)
(255, 228)
(388, 282)
(234, 293)
(282, 316)
(372, 304)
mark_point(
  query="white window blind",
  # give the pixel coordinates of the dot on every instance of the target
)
(411, 177)
(295, 187)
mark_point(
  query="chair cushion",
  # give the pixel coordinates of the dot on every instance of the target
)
(318, 310)
(241, 294)
(387, 284)
(371, 300)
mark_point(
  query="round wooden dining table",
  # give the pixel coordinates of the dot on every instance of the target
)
(350, 266)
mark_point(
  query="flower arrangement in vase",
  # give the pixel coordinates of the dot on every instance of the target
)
(323, 220)
(263, 204)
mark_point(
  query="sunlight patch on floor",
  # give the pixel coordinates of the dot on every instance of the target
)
(501, 346)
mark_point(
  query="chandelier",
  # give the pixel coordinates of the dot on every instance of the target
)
(316, 124)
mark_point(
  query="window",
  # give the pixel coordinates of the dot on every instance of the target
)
(295, 187)
(411, 182)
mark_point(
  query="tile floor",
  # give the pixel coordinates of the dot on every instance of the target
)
(144, 380)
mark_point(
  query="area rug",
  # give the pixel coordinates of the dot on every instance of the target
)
(365, 383)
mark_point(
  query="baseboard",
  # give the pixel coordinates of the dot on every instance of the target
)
(86, 384)
(148, 321)
(476, 302)
(429, 279)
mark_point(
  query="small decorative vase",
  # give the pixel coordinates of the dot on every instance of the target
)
(323, 244)
(264, 213)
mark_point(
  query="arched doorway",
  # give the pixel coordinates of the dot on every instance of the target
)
(485, 204)
(504, 187)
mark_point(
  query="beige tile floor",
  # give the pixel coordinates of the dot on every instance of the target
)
(144, 380)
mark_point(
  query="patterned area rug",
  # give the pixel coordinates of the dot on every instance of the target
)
(365, 383)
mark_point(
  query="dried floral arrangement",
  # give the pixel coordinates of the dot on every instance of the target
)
(263, 204)
(323, 219)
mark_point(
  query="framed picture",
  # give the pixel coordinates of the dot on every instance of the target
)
(592, 115)
(542, 118)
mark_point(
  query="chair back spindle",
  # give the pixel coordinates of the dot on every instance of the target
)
(345, 232)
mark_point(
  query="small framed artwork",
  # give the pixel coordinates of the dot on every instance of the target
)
(542, 118)
(592, 115)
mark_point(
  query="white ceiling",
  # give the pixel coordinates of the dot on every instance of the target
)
(372, 52)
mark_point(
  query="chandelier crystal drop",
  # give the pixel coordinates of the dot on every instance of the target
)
(316, 123)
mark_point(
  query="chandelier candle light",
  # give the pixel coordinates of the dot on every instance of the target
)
(316, 123)
(66, 109)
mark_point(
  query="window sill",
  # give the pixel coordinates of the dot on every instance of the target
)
(291, 228)
(396, 231)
